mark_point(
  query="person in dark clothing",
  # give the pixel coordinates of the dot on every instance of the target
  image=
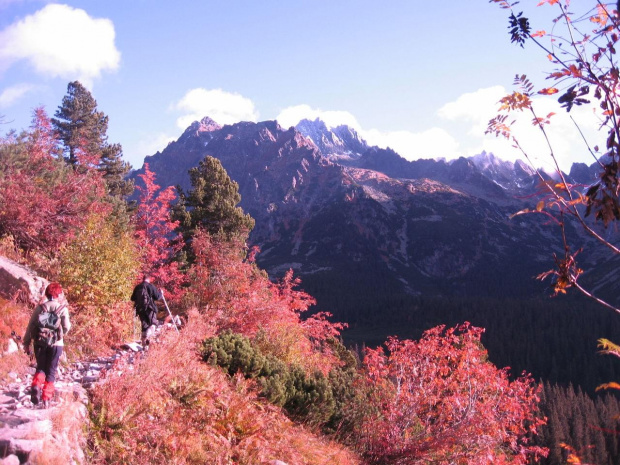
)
(144, 296)
(47, 356)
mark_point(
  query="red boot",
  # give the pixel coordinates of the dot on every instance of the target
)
(48, 392)
(36, 389)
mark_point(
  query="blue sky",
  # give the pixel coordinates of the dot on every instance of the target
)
(420, 77)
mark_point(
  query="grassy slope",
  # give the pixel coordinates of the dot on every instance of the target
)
(174, 409)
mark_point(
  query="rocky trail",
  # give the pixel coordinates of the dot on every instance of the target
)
(27, 431)
(55, 435)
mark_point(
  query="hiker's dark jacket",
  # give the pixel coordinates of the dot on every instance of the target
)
(153, 292)
(148, 316)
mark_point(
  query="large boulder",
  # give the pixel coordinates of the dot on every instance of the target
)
(20, 283)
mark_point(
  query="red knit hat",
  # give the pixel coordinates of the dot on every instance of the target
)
(53, 290)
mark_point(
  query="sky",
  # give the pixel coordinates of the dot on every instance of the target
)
(420, 77)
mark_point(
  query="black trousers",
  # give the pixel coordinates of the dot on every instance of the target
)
(47, 361)
(148, 319)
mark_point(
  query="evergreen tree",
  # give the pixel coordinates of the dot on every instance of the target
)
(81, 127)
(78, 123)
(211, 204)
(578, 424)
(115, 170)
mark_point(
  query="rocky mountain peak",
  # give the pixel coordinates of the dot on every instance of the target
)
(324, 202)
(523, 169)
(206, 124)
(351, 138)
(338, 141)
(511, 176)
(583, 174)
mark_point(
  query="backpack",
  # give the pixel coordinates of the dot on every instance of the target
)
(48, 327)
(144, 303)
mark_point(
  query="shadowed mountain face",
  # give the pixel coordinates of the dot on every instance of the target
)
(361, 221)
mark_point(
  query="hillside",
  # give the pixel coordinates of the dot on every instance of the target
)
(347, 216)
(394, 246)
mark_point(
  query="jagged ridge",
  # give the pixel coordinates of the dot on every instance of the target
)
(345, 215)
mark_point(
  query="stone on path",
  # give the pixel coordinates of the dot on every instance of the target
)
(10, 460)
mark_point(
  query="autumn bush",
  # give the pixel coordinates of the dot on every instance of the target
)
(175, 409)
(236, 295)
(439, 400)
(97, 270)
(157, 242)
(42, 200)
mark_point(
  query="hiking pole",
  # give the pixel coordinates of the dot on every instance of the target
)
(169, 312)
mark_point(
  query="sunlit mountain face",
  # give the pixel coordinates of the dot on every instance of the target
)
(351, 218)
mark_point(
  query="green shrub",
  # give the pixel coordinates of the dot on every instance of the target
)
(309, 397)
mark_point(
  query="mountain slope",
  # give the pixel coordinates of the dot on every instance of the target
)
(353, 217)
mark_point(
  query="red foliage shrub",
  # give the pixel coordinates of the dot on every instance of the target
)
(42, 200)
(157, 241)
(238, 296)
(440, 400)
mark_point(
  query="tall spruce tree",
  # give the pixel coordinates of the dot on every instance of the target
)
(115, 170)
(80, 126)
(211, 204)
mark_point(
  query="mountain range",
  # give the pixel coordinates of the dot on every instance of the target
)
(355, 221)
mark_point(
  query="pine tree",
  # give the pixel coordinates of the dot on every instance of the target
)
(114, 171)
(211, 204)
(78, 123)
(81, 127)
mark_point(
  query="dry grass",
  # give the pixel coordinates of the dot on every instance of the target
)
(95, 331)
(175, 409)
(51, 453)
(9, 249)
(13, 317)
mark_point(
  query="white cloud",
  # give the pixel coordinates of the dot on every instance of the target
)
(431, 143)
(61, 41)
(473, 106)
(221, 106)
(12, 94)
(290, 116)
(472, 112)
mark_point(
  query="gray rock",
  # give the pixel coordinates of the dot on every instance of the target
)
(12, 347)
(21, 447)
(6, 399)
(10, 460)
(133, 346)
(18, 282)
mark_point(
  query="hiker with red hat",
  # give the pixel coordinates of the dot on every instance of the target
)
(47, 326)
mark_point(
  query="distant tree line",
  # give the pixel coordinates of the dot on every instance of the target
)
(586, 426)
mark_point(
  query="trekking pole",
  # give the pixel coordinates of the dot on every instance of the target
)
(169, 312)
